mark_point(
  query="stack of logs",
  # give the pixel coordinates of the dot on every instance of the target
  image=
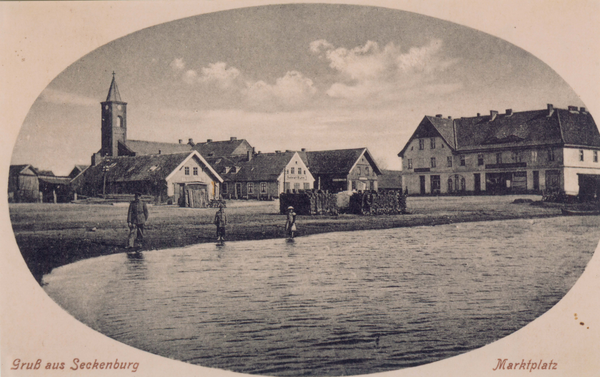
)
(378, 203)
(309, 202)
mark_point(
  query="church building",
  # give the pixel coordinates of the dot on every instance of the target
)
(169, 172)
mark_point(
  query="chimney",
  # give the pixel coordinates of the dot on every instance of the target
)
(233, 138)
(249, 156)
(209, 140)
(573, 109)
(478, 115)
(159, 151)
(191, 142)
(449, 117)
(582, 109)
(550, 110)
(180, 141)
(438, 115)
(288, 151)
(303, 149)
(277, 152)
(509, 112)
(493, 115)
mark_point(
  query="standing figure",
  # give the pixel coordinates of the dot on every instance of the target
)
(221, 222)
(290, 222)
(136, 218)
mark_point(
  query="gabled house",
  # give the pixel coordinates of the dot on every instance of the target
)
(262, 175)
(343, 169)
(514, 152)
(23, 184)
(77, 169)
(180, 178)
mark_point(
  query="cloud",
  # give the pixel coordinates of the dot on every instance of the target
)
(177, 64)
(219, 73)
(289, 91)
(65, 98)
(369, 70)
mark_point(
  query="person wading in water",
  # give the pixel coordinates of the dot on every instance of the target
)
(290, 222)
(221, 222)
(136, 218)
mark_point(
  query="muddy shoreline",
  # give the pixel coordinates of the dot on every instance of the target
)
(50, 236)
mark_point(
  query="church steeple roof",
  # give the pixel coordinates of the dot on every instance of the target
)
(113, 92)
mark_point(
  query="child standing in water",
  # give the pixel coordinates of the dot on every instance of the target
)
(221, 222)
(290, 223)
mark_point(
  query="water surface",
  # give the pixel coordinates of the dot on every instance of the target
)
(332, 304)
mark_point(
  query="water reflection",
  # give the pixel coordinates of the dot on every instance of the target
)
(332, 304)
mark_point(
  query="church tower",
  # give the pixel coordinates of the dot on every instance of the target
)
(114, 121)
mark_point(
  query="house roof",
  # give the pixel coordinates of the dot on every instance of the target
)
(54, 180)
(262, 167)
(141, 147)
(549, 126)
(222, 148)
(18, 169)
(390, 179)
(142, 168)
(338, 161)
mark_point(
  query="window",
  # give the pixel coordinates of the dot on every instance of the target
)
(299, 170)
(306, 186)
(449, 161)
(595, 156)
(435, 184)
(296, 186)
(367, 171)
(433, 163)
(119, 121)
(550, 154)
(409, 163)
(581, 155)
(250, 188)
(292, 170)
(516, 156)
(358, 170)
(421, 144)
(463, 160)
(286, 186)
(480, 159)
(450, 185)
(224, 188)
(187, 171)
(498, 158)
(534, 156)
(195, 170)
(432, 143)
(263, 187)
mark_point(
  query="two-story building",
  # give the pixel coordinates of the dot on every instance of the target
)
(514, 152)
(262, 175)
(343, 169)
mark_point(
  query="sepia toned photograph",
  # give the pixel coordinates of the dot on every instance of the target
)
(301, 189)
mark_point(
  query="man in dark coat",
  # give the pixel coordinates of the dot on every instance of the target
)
(136, 218)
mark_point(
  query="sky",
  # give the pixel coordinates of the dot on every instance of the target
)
(314, 76)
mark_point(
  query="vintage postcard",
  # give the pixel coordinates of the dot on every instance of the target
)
(300, 188)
